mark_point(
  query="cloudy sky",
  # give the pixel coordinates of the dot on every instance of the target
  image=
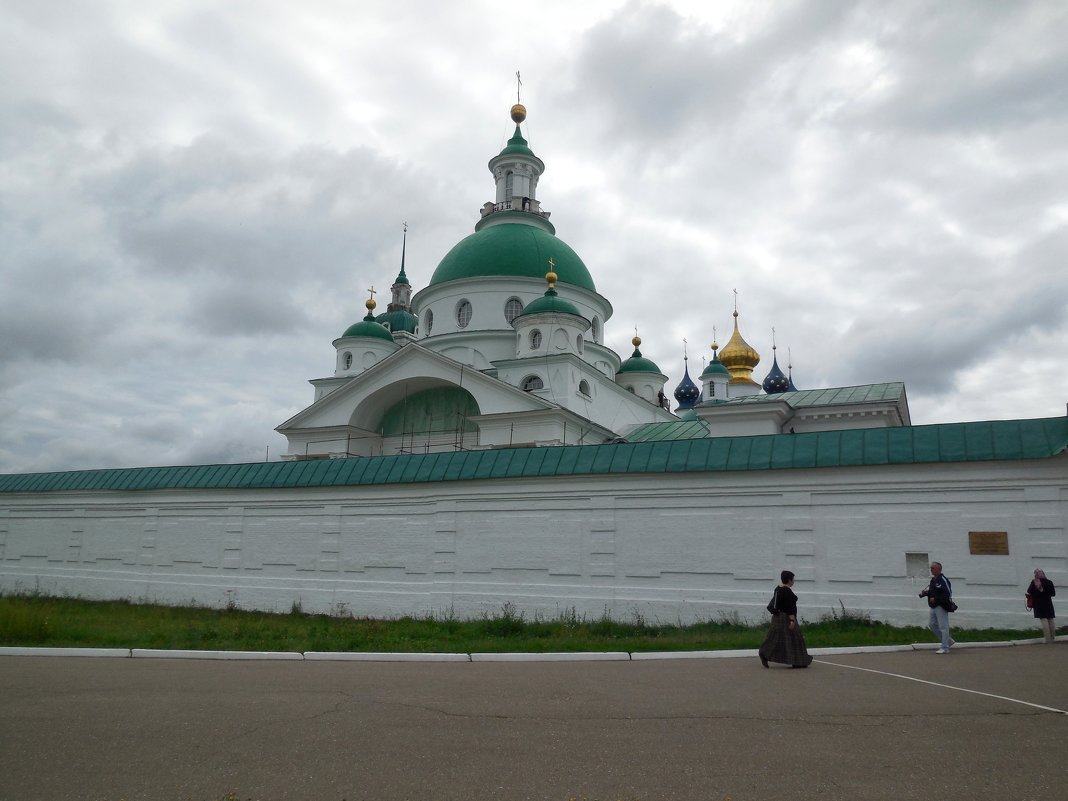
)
(194, 196)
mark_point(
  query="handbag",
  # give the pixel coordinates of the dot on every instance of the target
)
(773, 604)
(1029, 601)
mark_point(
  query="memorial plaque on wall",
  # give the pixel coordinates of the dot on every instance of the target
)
(988, 543)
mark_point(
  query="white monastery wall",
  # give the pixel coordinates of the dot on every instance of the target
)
(667, 547)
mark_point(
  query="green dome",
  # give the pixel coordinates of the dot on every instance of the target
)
(517, 144)
(398, 320)
(512, 249)
(551, 302)
(367, 327)
(716, 367)
(638, 364)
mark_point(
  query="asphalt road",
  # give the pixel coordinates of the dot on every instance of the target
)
(110, 729)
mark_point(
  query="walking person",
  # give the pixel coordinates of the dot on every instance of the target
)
(1040, 594)
(784, 643)
(939, 595)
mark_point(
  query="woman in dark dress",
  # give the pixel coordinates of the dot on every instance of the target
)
(785, 642)
(1042, 591)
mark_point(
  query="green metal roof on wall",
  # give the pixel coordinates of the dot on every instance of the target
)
(836, 396)
(662, 432)
(1004, 440)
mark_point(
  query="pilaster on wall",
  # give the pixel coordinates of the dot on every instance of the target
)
(149, 534)
(599, 550)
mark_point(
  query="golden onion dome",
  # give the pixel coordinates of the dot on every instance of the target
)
(739, 357)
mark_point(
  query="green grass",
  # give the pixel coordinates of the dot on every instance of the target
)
(34, 620)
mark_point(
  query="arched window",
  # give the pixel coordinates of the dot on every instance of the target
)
(532, 382)
(512, 309)
(535, 339)
(508, 186)
(584, 387)
(429, 317)
(595, 330)
(348, 360)
(579, 343)
(463, 313)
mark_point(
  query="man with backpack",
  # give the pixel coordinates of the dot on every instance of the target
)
(939, 595)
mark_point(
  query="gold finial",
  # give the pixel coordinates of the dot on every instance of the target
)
(370, 304)
(637, 339)
(551, 276)
(519, 111)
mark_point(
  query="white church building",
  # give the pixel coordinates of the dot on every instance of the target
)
(478, 444)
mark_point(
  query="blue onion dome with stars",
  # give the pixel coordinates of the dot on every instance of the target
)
(775, 381)
(687, 393)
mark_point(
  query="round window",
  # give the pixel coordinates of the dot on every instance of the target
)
(348, 360)
(532, 382)
(463, 313)
(512, 309)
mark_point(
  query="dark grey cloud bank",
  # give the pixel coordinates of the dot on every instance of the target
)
(193, 200)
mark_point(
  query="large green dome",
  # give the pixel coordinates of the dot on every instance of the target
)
(512, 249)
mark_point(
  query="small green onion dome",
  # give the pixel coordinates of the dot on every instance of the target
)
(517, 144)
(716, 367)
(638, 363)
(367, 327)
(398, 320)
(551, 302)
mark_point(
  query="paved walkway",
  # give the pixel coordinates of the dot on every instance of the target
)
(980, 723)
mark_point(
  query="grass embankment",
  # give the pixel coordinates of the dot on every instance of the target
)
(67, 622)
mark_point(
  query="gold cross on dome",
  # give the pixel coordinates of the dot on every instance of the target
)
(552, 265)
(372, 290)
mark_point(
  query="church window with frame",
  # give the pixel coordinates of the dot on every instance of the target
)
(584, 387)
(532, 382)
(595, 330)
(512, 309)
(535, 339)
(463, 313)
(348, 360)
(428, 318)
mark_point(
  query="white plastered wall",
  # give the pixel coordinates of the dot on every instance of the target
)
(663, 547)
